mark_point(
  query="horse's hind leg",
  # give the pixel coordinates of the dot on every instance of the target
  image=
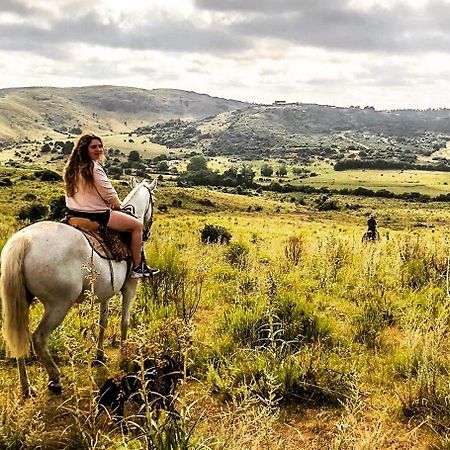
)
(27, 390)
(48, 323)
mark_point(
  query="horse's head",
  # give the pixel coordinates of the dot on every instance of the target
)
(140, 201)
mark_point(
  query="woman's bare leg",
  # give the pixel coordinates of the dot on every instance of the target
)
(120, 221)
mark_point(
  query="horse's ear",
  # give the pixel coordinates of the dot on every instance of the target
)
(133, 182)
(153, 184)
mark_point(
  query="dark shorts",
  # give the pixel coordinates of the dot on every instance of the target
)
(101, 217)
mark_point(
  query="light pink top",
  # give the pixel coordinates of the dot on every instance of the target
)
(98, 198)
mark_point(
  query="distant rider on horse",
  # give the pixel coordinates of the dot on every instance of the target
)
(372, 226)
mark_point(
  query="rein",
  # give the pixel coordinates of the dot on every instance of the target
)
(131, 210)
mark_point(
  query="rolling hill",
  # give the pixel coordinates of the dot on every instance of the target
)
(36, 111)
(308, 129)
(181, 119)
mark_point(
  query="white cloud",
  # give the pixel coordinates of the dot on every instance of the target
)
(389, 53)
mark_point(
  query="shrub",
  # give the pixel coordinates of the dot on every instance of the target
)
(6, 182)
(277, 376)
(33, 213)
(215, 234)
(294, 249)
(328, 205)
(205, 202)
(57, 208)
(115, 171)
(29, 197)
(237, 254)
(134, 155)
(288, 323)
(375, 317)
(47, 175)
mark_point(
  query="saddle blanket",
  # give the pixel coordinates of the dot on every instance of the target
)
(108, 244)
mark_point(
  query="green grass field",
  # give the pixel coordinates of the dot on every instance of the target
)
(432, 183)
(294, 335)
(425, 182)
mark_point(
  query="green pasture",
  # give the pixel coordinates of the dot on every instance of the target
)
(293, 335)
(425, 182)
(141, 144)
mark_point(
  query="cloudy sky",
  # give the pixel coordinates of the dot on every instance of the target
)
(385, 53)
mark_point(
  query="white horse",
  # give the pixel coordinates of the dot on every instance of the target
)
(46, 260)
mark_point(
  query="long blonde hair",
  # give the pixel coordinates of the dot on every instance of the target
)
(79, 164)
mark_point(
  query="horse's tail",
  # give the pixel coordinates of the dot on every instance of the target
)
(15, 306)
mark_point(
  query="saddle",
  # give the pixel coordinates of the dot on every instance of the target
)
(107, 243)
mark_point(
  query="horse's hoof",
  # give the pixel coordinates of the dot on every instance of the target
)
(55, 387)
(29, 393)
(100, 360)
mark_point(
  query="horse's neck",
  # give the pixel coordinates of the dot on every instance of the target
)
(139, 202)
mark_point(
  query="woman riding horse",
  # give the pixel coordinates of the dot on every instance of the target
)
(89, 194)
(49, 261)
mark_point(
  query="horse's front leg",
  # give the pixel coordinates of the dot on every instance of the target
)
(128, 293)
(103, 322)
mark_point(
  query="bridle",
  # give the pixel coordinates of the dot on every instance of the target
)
(146, 231)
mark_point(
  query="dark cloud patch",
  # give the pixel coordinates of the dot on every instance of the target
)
(15, 7)
(264, 6)
(176, 36)
(325, 24)
(399, 29)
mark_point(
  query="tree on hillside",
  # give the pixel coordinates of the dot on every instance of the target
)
(162, 166)
(282, 171)
(245, 176)
(231, 172)
(134, 156)
(266, 170)
(66, 147)
(197, 163)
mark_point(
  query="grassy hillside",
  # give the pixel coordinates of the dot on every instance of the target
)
(300, 132)
(37, 111)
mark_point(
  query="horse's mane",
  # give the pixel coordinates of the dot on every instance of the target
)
(132, 193)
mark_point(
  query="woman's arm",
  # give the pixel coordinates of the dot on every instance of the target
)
(105, 188)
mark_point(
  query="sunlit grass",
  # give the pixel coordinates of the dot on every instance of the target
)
(296, 334)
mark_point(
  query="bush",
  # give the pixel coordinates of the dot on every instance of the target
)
(294, 249)
(29, 197)
(47, 175)
(115, 171)
(237, 254)
(57, 208)
(328, 205)
(33, 213)
(6, 182)
(289, 323)
(374, 318)
(215, 234)
(134, 155)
